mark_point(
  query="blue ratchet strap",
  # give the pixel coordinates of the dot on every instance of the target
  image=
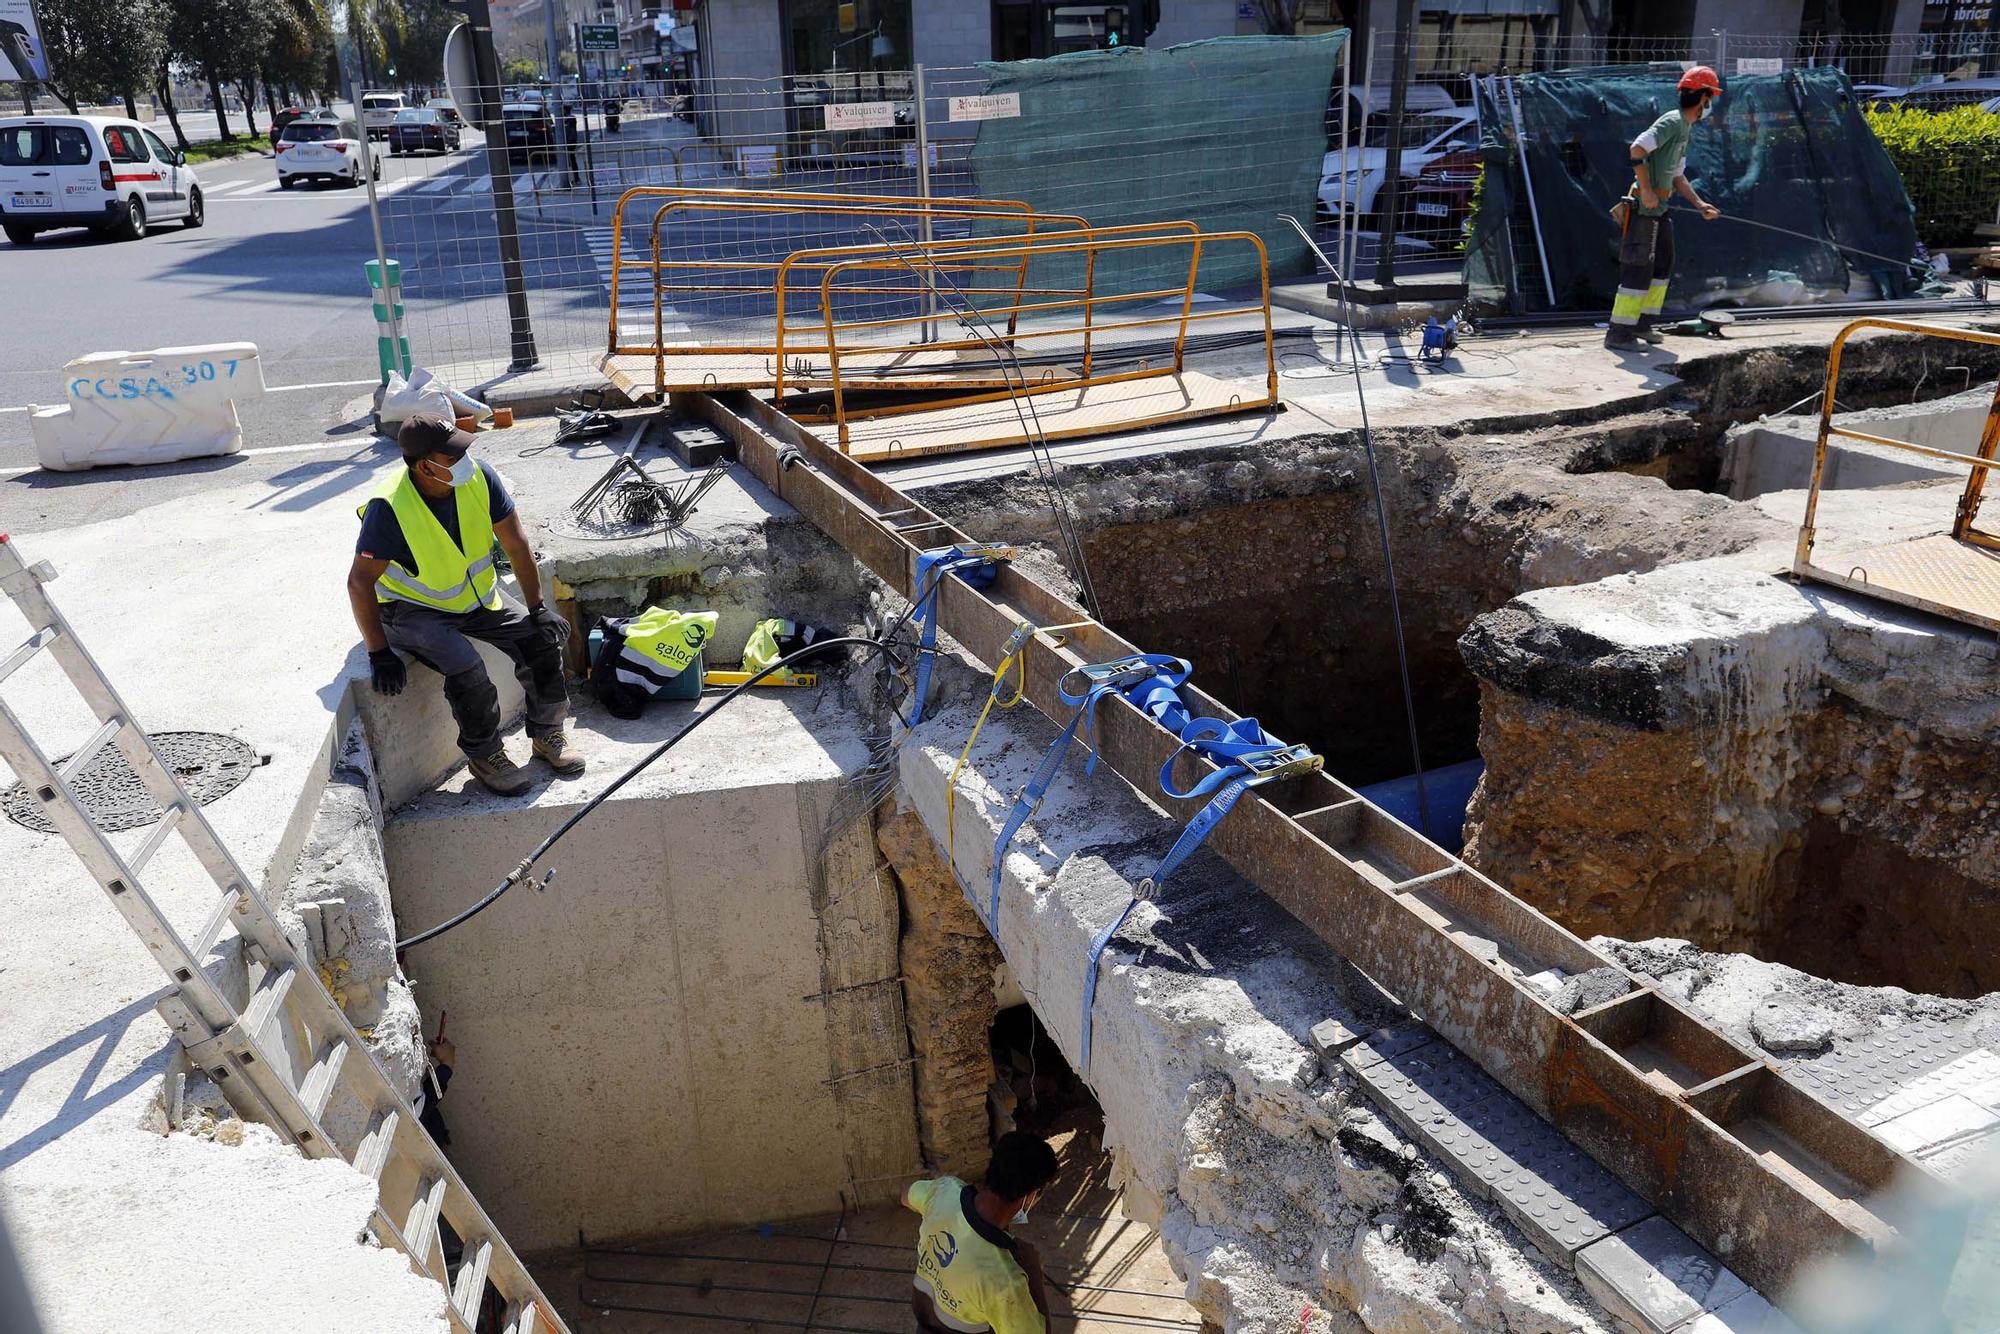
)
(1119, 676)
(976, 566)
(1249, 758)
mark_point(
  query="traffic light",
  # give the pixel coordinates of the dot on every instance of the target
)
(1114, 27)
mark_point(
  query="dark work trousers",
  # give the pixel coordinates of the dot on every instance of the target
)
(442, 641)
(1645, 263)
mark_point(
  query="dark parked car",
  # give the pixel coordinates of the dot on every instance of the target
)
(1440, 200)
(421, 130)
(530, 130)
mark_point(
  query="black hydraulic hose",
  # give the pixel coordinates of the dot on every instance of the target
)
(520, 873)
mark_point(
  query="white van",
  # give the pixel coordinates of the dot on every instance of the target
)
(100, 172)
(378, 113)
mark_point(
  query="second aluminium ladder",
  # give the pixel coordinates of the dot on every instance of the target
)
(249, 1052)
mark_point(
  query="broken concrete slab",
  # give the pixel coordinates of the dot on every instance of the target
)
(1653, 1278)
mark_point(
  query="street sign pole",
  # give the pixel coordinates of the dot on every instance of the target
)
(484, 96)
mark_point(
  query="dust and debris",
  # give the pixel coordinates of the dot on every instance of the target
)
(1752, 1000)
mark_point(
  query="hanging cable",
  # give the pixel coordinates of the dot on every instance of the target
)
(520, 872)
(1008, 359)
(1382, 524)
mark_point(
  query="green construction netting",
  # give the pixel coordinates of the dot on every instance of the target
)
(1789, 150)
(1226, 133)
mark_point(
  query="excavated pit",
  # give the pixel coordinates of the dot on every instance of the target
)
(1264, 568)
(1262, 564)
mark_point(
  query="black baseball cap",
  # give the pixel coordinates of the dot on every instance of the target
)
(420, 437)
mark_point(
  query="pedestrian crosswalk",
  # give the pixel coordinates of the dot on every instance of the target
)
(635, 285)
(442, 185)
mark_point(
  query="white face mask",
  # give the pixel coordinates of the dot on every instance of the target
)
(1708, 108)
(1020, 1218)
(460, 472)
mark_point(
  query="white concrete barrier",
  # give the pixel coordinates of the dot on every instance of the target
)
(148, 407)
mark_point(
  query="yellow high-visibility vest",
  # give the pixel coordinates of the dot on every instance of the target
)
(661, 644)
(448, 577)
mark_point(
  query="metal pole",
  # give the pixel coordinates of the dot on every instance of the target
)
(381, 251)
(1528, 183)
(583, 118)
(924, 189)
(555, 46)
(1345, 194)
(1385, 227)
(486, 84)
(1367, 105)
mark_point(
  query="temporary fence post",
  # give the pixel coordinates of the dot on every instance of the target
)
(380, 267)
(1528, 184)
(1347, 261)
(1392, 182)
(1345, 194)
(924, 189)
(392, 348)
(1721, 53)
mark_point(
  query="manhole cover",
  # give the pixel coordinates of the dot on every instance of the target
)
(208, 764)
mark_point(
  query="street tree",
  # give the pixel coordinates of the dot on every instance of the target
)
(416, 52)
(299, 53)
(225, 40)
(101, 49)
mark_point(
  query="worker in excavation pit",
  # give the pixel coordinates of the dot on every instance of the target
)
(423, 583)
(1646, 249)
(972, 1275)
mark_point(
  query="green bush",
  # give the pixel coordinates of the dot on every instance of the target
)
(1950, 164)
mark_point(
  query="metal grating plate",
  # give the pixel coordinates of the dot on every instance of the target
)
(1499, 1149)
(1939, 574)
(208, 764)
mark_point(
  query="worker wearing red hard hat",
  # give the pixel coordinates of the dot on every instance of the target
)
(1646, 251)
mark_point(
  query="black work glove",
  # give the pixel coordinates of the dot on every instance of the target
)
(550, 625)
(389, 674)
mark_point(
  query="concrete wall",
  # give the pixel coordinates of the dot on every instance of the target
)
(1776, 454)
(641, 1048)
(742, 40)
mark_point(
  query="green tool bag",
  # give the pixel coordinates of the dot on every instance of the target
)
(657, 654)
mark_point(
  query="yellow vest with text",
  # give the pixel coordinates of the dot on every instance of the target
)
(447, 576)
(661, 644)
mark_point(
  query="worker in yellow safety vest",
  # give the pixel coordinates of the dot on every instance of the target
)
(423, 583)
(973, 1276)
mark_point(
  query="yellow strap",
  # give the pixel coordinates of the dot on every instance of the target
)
(1017, 661)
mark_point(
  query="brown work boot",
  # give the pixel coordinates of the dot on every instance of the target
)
(500, 774)
(564, 758)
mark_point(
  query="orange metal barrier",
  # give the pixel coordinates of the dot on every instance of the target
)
(1083, 417)
(734, 371)
(1954, 574)
(956, 255)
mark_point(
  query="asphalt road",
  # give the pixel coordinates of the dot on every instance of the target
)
(281, 269)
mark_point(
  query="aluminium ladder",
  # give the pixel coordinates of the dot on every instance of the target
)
(250, 1053)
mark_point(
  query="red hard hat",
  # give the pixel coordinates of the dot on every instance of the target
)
(1701, 76)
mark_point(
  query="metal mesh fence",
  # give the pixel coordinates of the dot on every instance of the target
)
(1453, 61)
(810, 163)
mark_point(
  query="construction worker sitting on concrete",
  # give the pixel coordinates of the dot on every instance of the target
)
(1646, 250)
(972, 1276)
(423, 583)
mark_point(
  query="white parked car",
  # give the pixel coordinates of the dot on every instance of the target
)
(100, 172)
(378, 112)
(1426, 138)
(327, 149)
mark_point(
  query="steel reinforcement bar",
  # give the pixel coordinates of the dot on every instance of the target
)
(1716, 1137)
